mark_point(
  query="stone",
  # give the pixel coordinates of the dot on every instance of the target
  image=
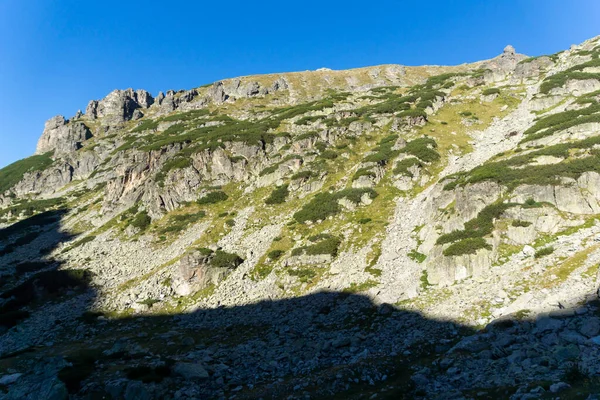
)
(559, 387)
(190, 371)
(9, 379)
(548, 324)
(590, 327)
(566, 353)
(136, 390)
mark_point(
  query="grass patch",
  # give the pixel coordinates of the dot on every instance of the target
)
(213, 198)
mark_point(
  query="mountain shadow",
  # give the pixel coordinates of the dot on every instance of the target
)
(325, 345)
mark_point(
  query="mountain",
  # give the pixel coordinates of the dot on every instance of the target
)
(388, 231)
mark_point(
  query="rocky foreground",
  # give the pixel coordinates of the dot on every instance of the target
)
(385, 232)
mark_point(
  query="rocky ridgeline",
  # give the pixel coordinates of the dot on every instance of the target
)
(390, 231)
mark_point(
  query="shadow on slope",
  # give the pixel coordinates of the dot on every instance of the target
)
(323, 345)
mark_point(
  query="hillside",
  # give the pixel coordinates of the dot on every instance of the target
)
(409, 232)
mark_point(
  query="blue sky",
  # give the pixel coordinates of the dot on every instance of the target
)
(56, 55)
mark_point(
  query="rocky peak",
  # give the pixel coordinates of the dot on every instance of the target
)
(119, 105)
(61, 136)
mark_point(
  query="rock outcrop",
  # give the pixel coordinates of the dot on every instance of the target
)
(62, 136)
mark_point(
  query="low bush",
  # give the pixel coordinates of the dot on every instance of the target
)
(328, 245)
(490, 91)
(278, 195)
(466, 246)
(141, 221)
(403, 166)
(223, 259)
(275, 254)
(213, 198)
(517, 223)
(544, 252)
(324, 205)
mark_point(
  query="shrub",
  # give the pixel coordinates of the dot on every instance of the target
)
(213, 198)
(490, 91)
(364, 172)
(304, 275)
(275, 254)
(304, 175)
(145, 126)
(222, 259)
(466, 246)
(141, 221)
(328, 245)
(278, 195)
(363, 221)
(269, 170)
(403, 166)
(324, 205)
(230, 222)
(520, 224)
(328, 155)
(177, 223)
(479, 226)
(418, 257)
(544, 252)
(423, 149)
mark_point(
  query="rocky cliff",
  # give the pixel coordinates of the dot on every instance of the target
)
(468, 194)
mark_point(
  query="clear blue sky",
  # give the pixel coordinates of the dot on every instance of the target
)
(56, 55)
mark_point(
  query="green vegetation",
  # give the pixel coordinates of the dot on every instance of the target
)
(544, 252)
(141, 221)
(520, 224)
(418, 257)
(490, 91)
(324, 245)
(170, 165)
(179, 222)
(466, 246)
(275, 254)
(574, 73)
(31, 207)
(383, 153)
(324, 205)
(363, 172)
(304, 175)
(363, 221)
(423, 149)
(403, 166)
(550, 124)
(213, 197)
(79, 243)
(221, 259)
(278, 195)
(479, 226)
(304, 275)
(187, 116)
(145, 125)
(13, 173)
(504, 172)
(269, 170)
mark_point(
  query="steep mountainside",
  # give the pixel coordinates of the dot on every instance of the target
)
(355, 232)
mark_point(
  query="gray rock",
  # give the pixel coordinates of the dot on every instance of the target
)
(190, 371)
(559, 387)
(137, 391)
(9, 379)
(546, 324)
(565, 353)
(590, 327)
(62, 137)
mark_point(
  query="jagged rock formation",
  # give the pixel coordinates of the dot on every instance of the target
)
(466, 194)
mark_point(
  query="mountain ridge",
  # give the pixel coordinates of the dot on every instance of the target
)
(466, 194)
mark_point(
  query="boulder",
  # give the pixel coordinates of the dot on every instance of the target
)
(190, 371)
